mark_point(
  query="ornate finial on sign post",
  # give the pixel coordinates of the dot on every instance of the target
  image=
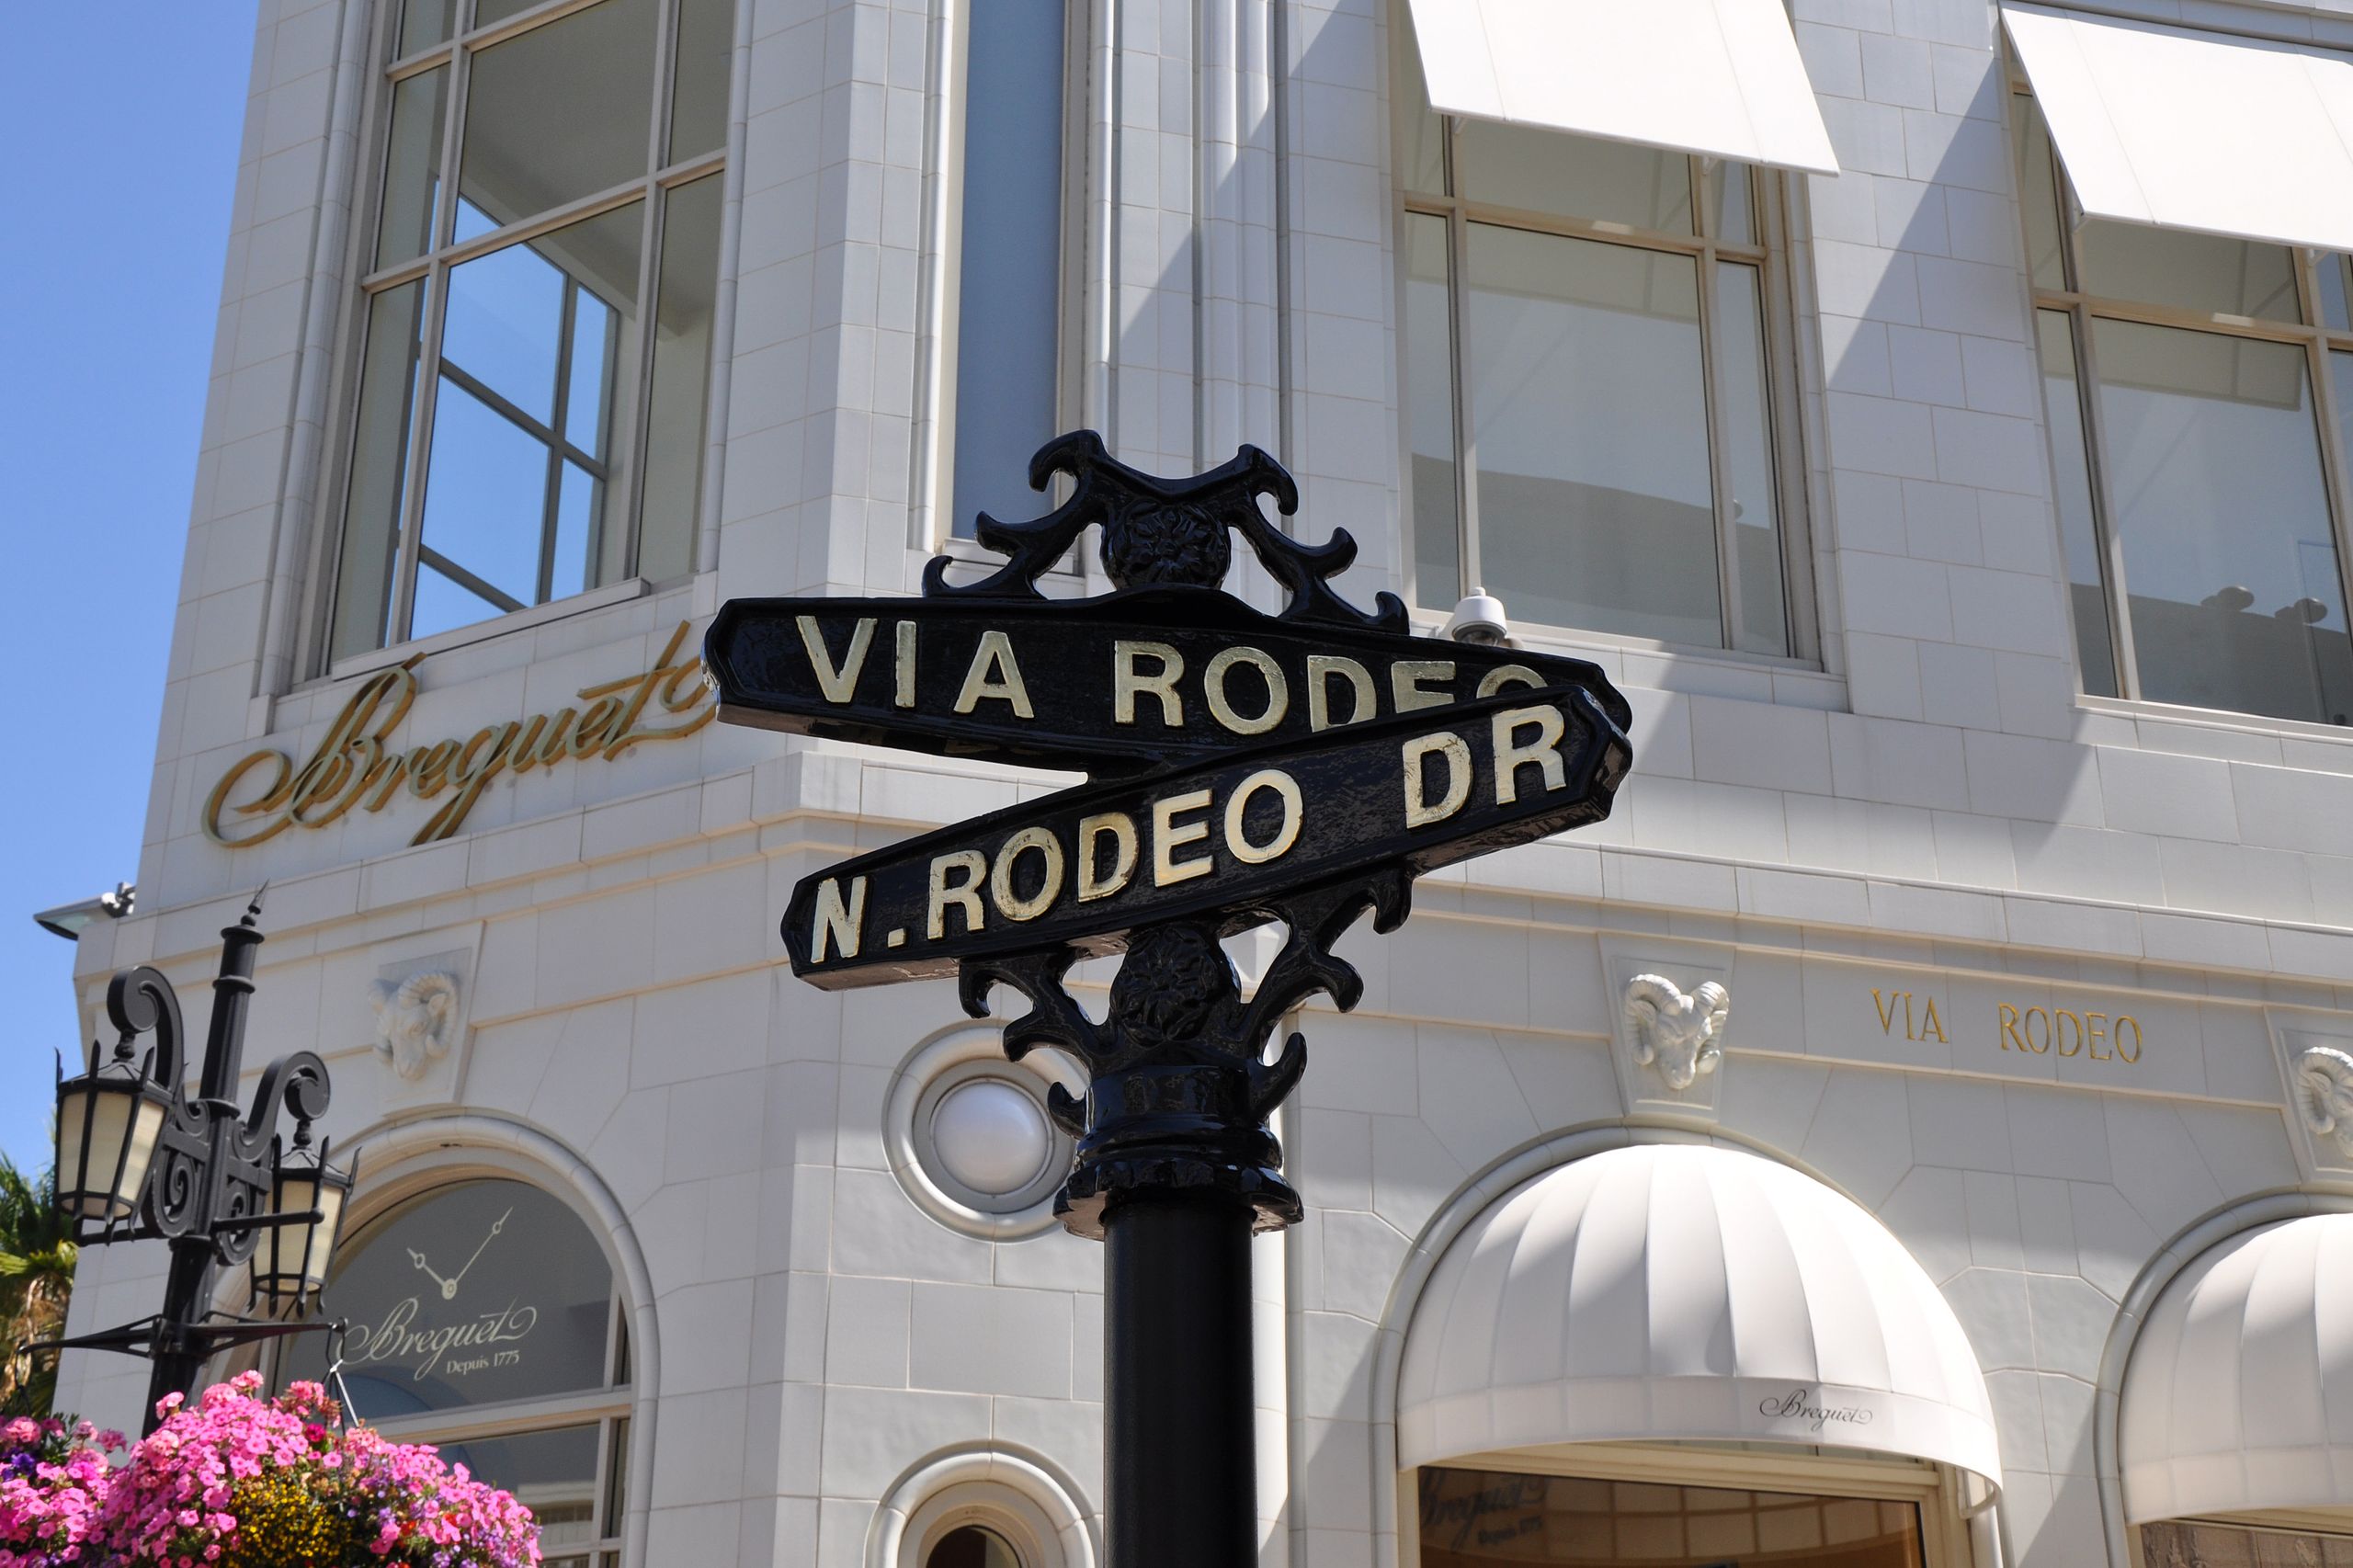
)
(1167, 532)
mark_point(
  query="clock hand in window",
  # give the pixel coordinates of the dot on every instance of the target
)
(450, 1288)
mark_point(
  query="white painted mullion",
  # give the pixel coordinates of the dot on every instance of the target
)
(1784, 399)
(1728, 612)
(1466, 463)
(2335, 478)
(418, 470)
(648, 232)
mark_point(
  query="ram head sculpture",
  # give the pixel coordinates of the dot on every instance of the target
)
(412, 1018)
(2324, 1094)
(1681, 1036)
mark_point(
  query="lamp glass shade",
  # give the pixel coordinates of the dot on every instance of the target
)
(107, 1126)
(291, 1260)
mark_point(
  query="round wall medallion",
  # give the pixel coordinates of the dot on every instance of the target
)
(969, 1136)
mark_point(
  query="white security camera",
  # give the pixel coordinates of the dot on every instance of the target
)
(1479, 619)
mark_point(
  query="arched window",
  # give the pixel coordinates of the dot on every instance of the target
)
(486, 1318)
(991, 1508)
(971, 1546)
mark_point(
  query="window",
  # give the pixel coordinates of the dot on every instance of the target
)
(1008, 327)
(535, 326)
(2198, 1543)
(2198, 390)
(970, 1546)
(486, 1319)
(1475, 1518)
(1591, 406)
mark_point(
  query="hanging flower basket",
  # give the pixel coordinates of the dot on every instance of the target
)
(241, 1481)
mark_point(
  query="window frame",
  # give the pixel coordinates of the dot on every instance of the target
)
(2294, 1523)
(1769, 255)
(1017, 1523)
(386, 71)
(615, 1409)
(2081, 307)
(1937, 1490)
(933, 515)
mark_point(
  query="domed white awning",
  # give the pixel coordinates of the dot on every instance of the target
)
(1676, 1291)
(2239, 1392)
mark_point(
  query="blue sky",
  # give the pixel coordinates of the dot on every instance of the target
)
(126, 118)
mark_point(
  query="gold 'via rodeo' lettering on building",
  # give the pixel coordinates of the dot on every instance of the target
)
(356, 763)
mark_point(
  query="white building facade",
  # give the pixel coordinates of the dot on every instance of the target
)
(1850, 383)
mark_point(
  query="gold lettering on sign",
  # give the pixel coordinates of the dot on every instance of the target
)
(354, 764)
(1450, 749)
(965, 894)
(902, 693)
(995, 674)
(2028, 1030)
(2099, 1036)
(1503, 676)
(1168, 837)
(1286, 834)
(838, 682)
(1920, 1022)
(837, 920)
(1363, 702)
(1543, 752)
(1121, 830)
(1405, 687)
(1128, 682)
(1050, 880)
(1222, 710)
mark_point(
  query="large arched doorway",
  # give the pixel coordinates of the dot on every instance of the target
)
(2235, 1419)
(1679, 1355)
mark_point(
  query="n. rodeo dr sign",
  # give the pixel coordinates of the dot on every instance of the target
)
(1247, 755)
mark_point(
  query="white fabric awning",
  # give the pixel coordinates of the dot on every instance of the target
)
(1677, 1292)
(2190, 129)
(1720, 76)
(2239, 1395)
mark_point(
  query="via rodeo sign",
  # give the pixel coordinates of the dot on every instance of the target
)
(1301, 768)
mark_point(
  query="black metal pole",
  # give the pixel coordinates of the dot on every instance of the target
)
(1179, 1433)
(232, 989)
(179, 1351)
(1175, 1171)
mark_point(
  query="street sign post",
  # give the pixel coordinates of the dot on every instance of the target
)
(1245, 768)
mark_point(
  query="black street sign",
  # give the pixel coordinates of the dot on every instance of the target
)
(1223, 838)
(1140, 678)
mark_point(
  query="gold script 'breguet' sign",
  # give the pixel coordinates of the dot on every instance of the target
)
(356, 763)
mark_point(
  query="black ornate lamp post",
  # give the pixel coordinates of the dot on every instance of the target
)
(138, 1159)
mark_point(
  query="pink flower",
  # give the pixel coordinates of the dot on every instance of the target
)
(173, 1504)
